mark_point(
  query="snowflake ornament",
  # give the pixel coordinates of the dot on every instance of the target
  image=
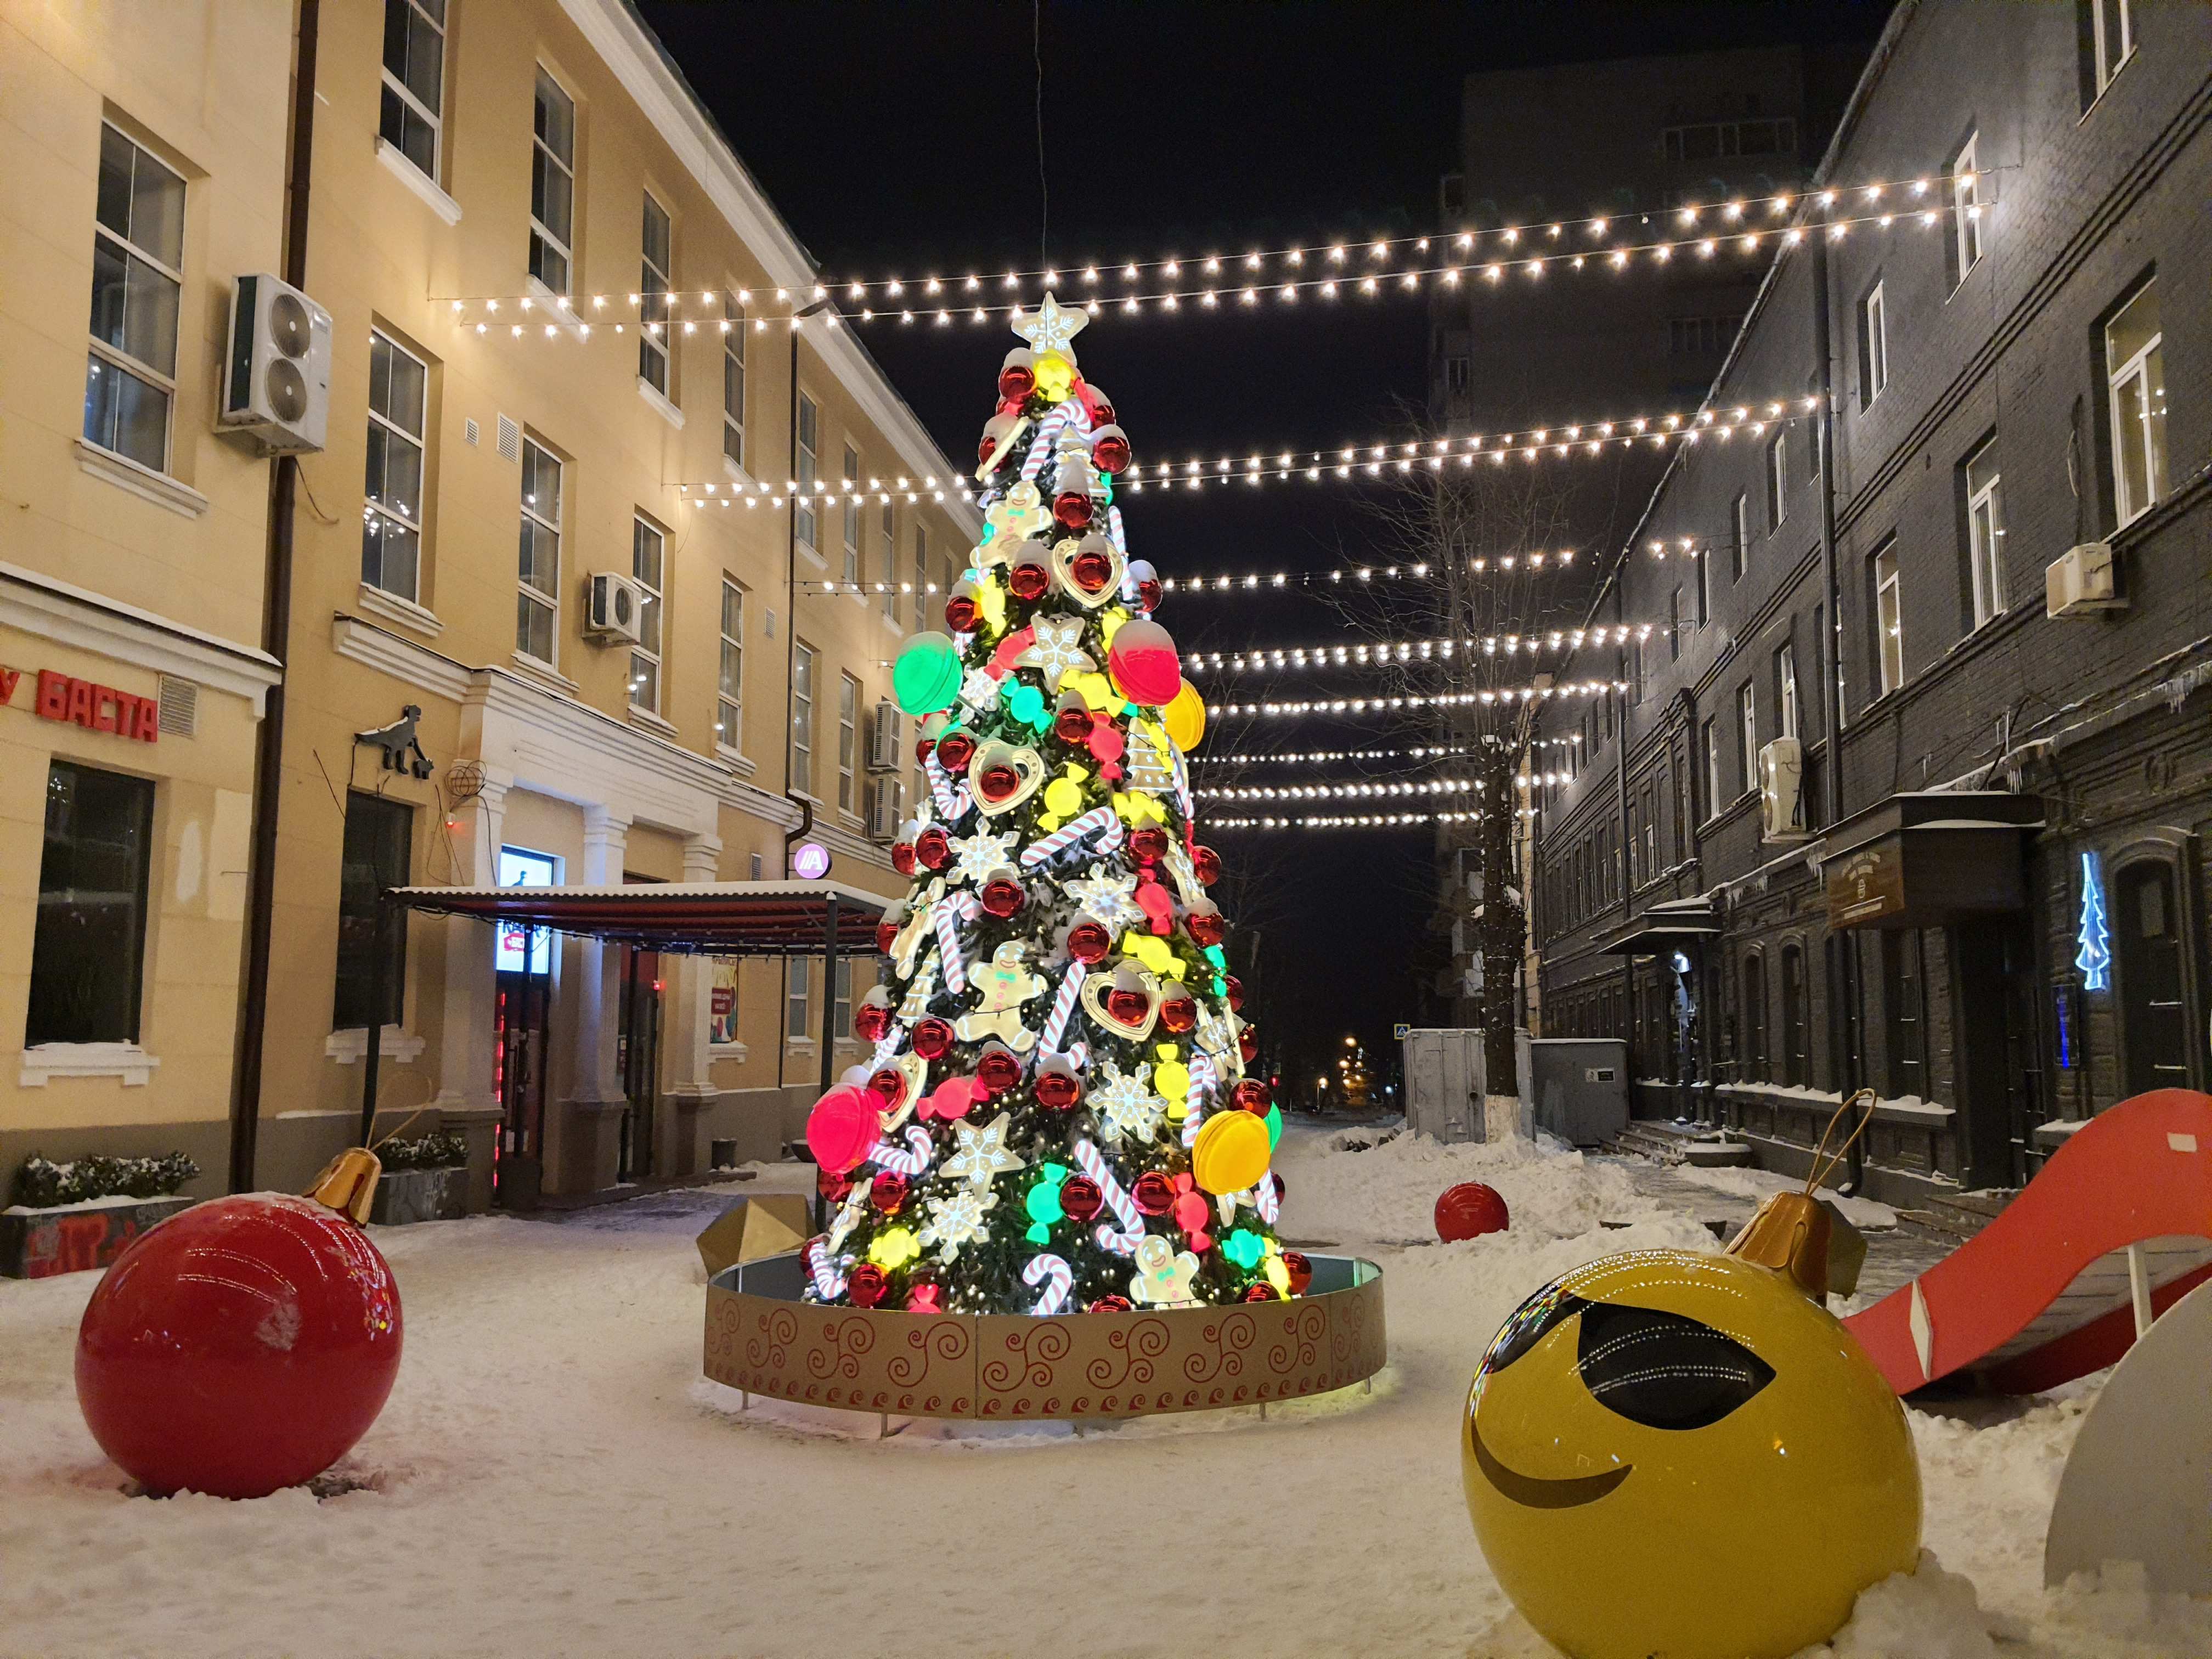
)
(1125, 1106)
(978, 855)
(1057, 650)
(979, 691)
(980, 1155)
(958, 1220)
(1052, 326)
(1109, 896)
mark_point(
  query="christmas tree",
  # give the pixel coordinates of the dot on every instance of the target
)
(1057, 1116)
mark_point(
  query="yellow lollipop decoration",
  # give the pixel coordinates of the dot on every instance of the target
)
(1230, 1152)
(1185, 718)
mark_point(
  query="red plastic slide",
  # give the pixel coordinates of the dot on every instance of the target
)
(2041, 1296)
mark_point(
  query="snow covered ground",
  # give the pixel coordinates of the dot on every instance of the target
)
(552, 1476)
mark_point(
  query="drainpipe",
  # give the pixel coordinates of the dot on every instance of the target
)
(249, 1042)
(791, 606)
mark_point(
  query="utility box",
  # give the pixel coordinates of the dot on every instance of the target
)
(1445, 1084)
(1576, 1088)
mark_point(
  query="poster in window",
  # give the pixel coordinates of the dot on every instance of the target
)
(722, 1029)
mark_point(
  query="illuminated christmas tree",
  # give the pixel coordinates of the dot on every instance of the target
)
(1057, 1116)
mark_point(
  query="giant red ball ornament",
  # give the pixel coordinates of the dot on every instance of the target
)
(1179, 1014)
(1235, 994)
(1029, 579)
(831, 1187)
(887, 930)
(931, 1037)
(1206, 926)
(1261, 1291)
(1247, 1044)
(1469, 1211)
(1251, 1095)
(960, 613)
(1088, 942)
(998, 782)
(1092, 568)
(1002, 896)
(871, 1020)
(1206, 865)
(866, 1285)
(1082, 1198)
(998, 1071)
(1109, 1302)
(954, 750)
(1058, 1090)
(1126, 1006)
(902, 861)
(1145, 663)
(241, 1346)
(1109, 449)
(932, 847)
(1150, 592)
(1149, 843)
(889, 1192)
(1155, 1195)
(1072, 511)
(1300, 1270)
(1018, 375)
(1072, 725)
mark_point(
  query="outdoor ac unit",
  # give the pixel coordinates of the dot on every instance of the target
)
(1782, 790)
(2083, 581)
(883, 742)
(610, 612)
(278, 389)
(884, 809)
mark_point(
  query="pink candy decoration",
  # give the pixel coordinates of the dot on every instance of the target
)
(951, 1099)
(843, 1125)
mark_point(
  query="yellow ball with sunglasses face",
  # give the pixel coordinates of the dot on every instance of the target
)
(1672, 1456)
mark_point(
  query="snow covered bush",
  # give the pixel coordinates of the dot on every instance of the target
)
(41, 1184)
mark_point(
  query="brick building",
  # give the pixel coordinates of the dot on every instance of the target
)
(1974, 882)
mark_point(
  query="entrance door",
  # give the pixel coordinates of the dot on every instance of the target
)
(2154, 1029)
(638, 1052)
(522, 1012)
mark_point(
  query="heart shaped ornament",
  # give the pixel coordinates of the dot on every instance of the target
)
(1099, 986)
(1001, 777)
(1064, 552)
(914, 1072)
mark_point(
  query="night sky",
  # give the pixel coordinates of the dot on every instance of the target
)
(902, 139)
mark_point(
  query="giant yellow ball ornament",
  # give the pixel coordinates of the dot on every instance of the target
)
(1185, 718)
(1230, 1152)
(1679, 1454)
(1055, 376)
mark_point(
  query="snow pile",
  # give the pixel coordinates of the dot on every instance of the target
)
(1860, 1212)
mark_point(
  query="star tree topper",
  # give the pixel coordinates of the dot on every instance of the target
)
(1052, 326)
(1057, 650)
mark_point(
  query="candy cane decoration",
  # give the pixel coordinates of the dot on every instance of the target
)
(1088, 1159)
(947, 915)
(951, 798)
(1100, 821)
(1063, 1005)
(1070, 413)
(1120, 545)
(887, 1049)
(1267, 1200)
(1202, 1083)
(828, 1282)
(886, 1157)
(1057, 1278)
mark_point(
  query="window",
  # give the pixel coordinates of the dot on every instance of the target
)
(1965, 211)
(1874, 347)
(1705, 140)
(1740, 535)
(1785, 688)
(1702, 561)
(795, 970)
(1795, 1042)
(1905, 1009)
(802, 719)
(1986, 533)
(379, 835)
(1746, 721)
(1636, 670)
(414, 80)
(1754, 1016)
(391, 512)
(137, 248)
(538, 606)
(1455, 376)
(87, 954)
(848, 737)
(852, 515)
(1889, 621)
(729, 681)
(552, 183)
(1714, 794)
(920, 577)
(888, 531)
(1777, 479)
(2134, 369)
(841, 1010)
(734, 379)
(802, 503)
(2112, 38)
(1701, 336)
(648, 549)
(658, 259)
(1675, 626)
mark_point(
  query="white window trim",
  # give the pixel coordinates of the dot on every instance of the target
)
(397, 164)
(405, 613)
(436, 117)
(350, 1045)
(549, 665)
(123, 360)
(808, 523)
(733, 346)
(1790, 712)
(849, 745)
(1985, 555)
(812, 697)
(421, 445)
(1777, 479)
(1967, 206)
(538, 227)
(849, 522)
(653, 335)
(52, 1060)
(2107, 69)
(1874, 325)
(660, 595)
(1894, 586)
(2136, 367)
(657, 401)
(140, 479)
(1746, 715)
(1713, 797)
(730, 745)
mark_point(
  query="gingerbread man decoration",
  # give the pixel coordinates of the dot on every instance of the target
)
(1002, 986)
(1163, 1273)
(907, 942)
(1013, 519)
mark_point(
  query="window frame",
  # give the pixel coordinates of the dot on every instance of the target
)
(1873, 345)
(527, 593)
(1740, 527)
(730, 670)
(797, 998)
(733, 381)
(434, 119)
(652, 596)
(1888, 617)
(1984, 534)
(848, 739)
(376, 509)
(120, 359)
(655, 283)
(1789, 711)
(562, 246)
(1964, 174)
(2117, 376)
(1674, 624)
(395, 813)
(1747, 714)
(804, 523)
(840, 1000)
(1777, 479)
(2105, 69)
(851, 518)
(143, 793)
(1712, 743)
(888, 529)
(799, 754)
(920, 573)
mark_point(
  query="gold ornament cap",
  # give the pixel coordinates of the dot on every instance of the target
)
(348, 1183)
(1788, 1233)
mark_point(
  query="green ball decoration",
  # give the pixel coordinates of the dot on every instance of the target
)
(1274, 1122)
(1026, 704)
(1245, 1248)
(927, 676)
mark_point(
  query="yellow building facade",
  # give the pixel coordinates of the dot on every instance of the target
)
(555, 324)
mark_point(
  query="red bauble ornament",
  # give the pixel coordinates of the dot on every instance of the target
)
(1145, 663)
(887, 930)
(1095, 404)
(1088, 943)
(1206, 865)
(902, 861)
(1107, 1304)
(997, 782)
(1247, 1044)
(1251, 1095)
(1208, 926)
(1092, 568)
(889, 1192)
(1072, 725)
(1149, 843)
(241, 1346)
(871, 1020)
(1262, 1291)
(1126, 1006)
(1029, 579)
(1154, 1193)
(1109, 449)
(924, 748)
(1080, 1195)
(954, 750)
(887, 1085)
(1179, 1014)
(1058, 1090)
(1469, 1211)
(925, 1298)
(960, 614)
(830, 1186)
(998, 1071)
(931, 1037)
(1002, 896)
(932, 847)
(1300, 1270)
(985, 447)
(1017, 376)
(866, 1285)
(1072, 511)
(1235, 994)
(1150, 592)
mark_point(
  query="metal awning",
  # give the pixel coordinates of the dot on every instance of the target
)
(1928, 857)
(703, 918)
(1666, 926)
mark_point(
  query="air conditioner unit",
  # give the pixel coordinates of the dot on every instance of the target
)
(1782, 790)
(883, 803)
(611, 609)
(2081, 581)
(278, 389)
(885, 746)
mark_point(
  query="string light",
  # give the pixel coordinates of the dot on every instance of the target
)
(1412, 651)
(1363, 821)
(1340, 791)
(1434, 700)
(762, 494)
(1317, 756)
(1251, 582)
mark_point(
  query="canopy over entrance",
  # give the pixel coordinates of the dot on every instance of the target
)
(1666, 926)
(704, 918)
